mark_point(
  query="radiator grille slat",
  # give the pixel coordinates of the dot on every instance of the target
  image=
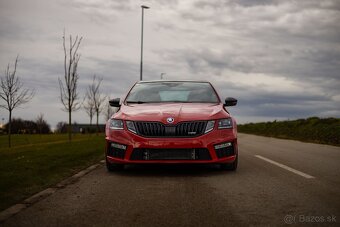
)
(182, 129)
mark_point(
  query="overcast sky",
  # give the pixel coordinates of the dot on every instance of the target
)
(280, 59)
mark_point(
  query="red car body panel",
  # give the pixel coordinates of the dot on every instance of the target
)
(180, 112)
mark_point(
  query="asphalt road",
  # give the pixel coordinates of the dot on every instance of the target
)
(278, 182)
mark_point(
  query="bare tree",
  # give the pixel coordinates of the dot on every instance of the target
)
(40, 121)
(109, 110)
(88, 106)
(68, 87)
(93, 92)
(61, 127)
(13, 93)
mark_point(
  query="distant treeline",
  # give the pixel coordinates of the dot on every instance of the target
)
(40, 126)
(314, 129)
(20, 126)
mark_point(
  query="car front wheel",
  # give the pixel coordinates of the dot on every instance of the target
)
(113, 167)
(230, 166)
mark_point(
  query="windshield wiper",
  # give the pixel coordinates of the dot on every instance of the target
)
(135, 102)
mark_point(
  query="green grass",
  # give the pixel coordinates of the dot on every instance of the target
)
(27, 139)
(37, 162)
(314, 129)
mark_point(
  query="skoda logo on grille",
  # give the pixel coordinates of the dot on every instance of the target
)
(170, 120)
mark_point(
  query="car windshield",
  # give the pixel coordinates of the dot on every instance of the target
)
(192, 92)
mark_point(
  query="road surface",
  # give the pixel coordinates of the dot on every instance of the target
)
(278, 183)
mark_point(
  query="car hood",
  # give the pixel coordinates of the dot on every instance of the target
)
(178, 111)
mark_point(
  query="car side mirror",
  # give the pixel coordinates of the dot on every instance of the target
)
(230, 101)
(115, 102)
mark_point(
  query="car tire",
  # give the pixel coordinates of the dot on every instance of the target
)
(113, 167)
(230, 166)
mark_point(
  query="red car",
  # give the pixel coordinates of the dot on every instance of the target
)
(171, 122)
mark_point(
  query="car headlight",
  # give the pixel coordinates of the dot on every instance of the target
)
(131, 126)
(116, 124)
(225, 123)
(210, 126)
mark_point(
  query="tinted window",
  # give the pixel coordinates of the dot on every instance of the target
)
(173, 92)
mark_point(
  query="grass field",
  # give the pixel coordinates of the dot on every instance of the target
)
(36, 162)
(28, 139)
(315, 130)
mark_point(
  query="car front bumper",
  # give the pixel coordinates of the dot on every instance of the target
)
(122, 145)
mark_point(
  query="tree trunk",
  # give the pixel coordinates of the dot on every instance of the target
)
(69, 126)
(9, 128)
(97, 122)
(90, 129)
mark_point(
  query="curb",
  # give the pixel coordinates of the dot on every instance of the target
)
(9, 212)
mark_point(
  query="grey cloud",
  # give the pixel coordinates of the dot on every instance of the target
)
(99, 12)
(100, 5)
(274, 105)
(294, 40)
(11, 30)
(118, 76)
(293, 27)
(298, 65)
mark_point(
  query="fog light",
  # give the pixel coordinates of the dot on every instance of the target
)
(222, 145)
(119, 146)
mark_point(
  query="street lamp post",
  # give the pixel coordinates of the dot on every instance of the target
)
(141, 49)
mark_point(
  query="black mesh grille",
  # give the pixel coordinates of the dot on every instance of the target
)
(170, 154)
(115, 152)
(157, 129)
(225, 152)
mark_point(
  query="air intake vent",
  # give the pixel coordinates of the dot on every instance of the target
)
(224, 151)
(170, 154)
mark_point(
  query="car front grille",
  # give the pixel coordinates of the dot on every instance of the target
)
(183, 129)
(170, 154)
